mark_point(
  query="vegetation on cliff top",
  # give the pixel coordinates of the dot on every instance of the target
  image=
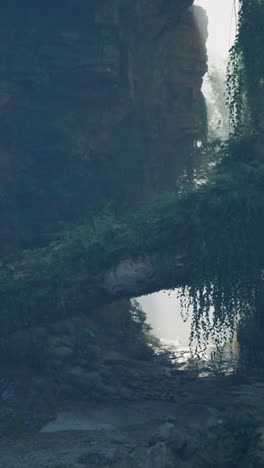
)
(218, 226)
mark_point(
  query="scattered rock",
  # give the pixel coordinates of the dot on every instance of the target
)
(171, 435)
(89, 383)
(119, 439)
(24, 402)
(100, 457)
(114, 357)
(160, 456)
(177, 440)
(165, 433)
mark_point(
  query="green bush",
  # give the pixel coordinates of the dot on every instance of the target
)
(230, 445)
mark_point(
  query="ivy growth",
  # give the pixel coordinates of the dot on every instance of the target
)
(245, 72)
(219, 224)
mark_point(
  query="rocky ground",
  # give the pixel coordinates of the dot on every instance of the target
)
(128, 413)
(149, 434)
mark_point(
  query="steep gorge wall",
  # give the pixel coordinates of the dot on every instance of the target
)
(99, 101)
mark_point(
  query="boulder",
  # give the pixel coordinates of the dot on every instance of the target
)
(160, 456)
(171, 435)
(176, 439)
(88, 383)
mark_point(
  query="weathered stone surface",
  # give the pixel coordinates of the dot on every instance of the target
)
(176, 439)
(168, 433)
(110, 90)
(102, 102)
(160, 456)
(136, 274)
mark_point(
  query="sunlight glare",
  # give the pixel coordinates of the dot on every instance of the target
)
(222, 16)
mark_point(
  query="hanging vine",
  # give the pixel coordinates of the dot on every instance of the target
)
(229, 253)
(226, 251)
(245, 73)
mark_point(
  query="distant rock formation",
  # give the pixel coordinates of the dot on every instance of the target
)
(99, 101)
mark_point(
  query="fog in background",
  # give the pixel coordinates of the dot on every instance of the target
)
(163, 308)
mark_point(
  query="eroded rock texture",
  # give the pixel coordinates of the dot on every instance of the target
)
(99, 101)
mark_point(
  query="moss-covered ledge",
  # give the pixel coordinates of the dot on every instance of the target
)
(208, 239)
(99, 262)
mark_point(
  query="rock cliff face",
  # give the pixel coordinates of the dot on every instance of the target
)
(99, 101)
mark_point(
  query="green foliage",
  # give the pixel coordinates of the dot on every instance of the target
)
(226, 276)
(227, 279)
(139, 317)
(226, 262)
(225, 214)
(231, 444)
(246, 69)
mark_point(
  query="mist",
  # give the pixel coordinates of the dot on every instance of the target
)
(163, 309)
(122, 173)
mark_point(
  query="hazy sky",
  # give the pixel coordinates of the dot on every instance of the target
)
(163, 310)
(163, 313)
(222, 21)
